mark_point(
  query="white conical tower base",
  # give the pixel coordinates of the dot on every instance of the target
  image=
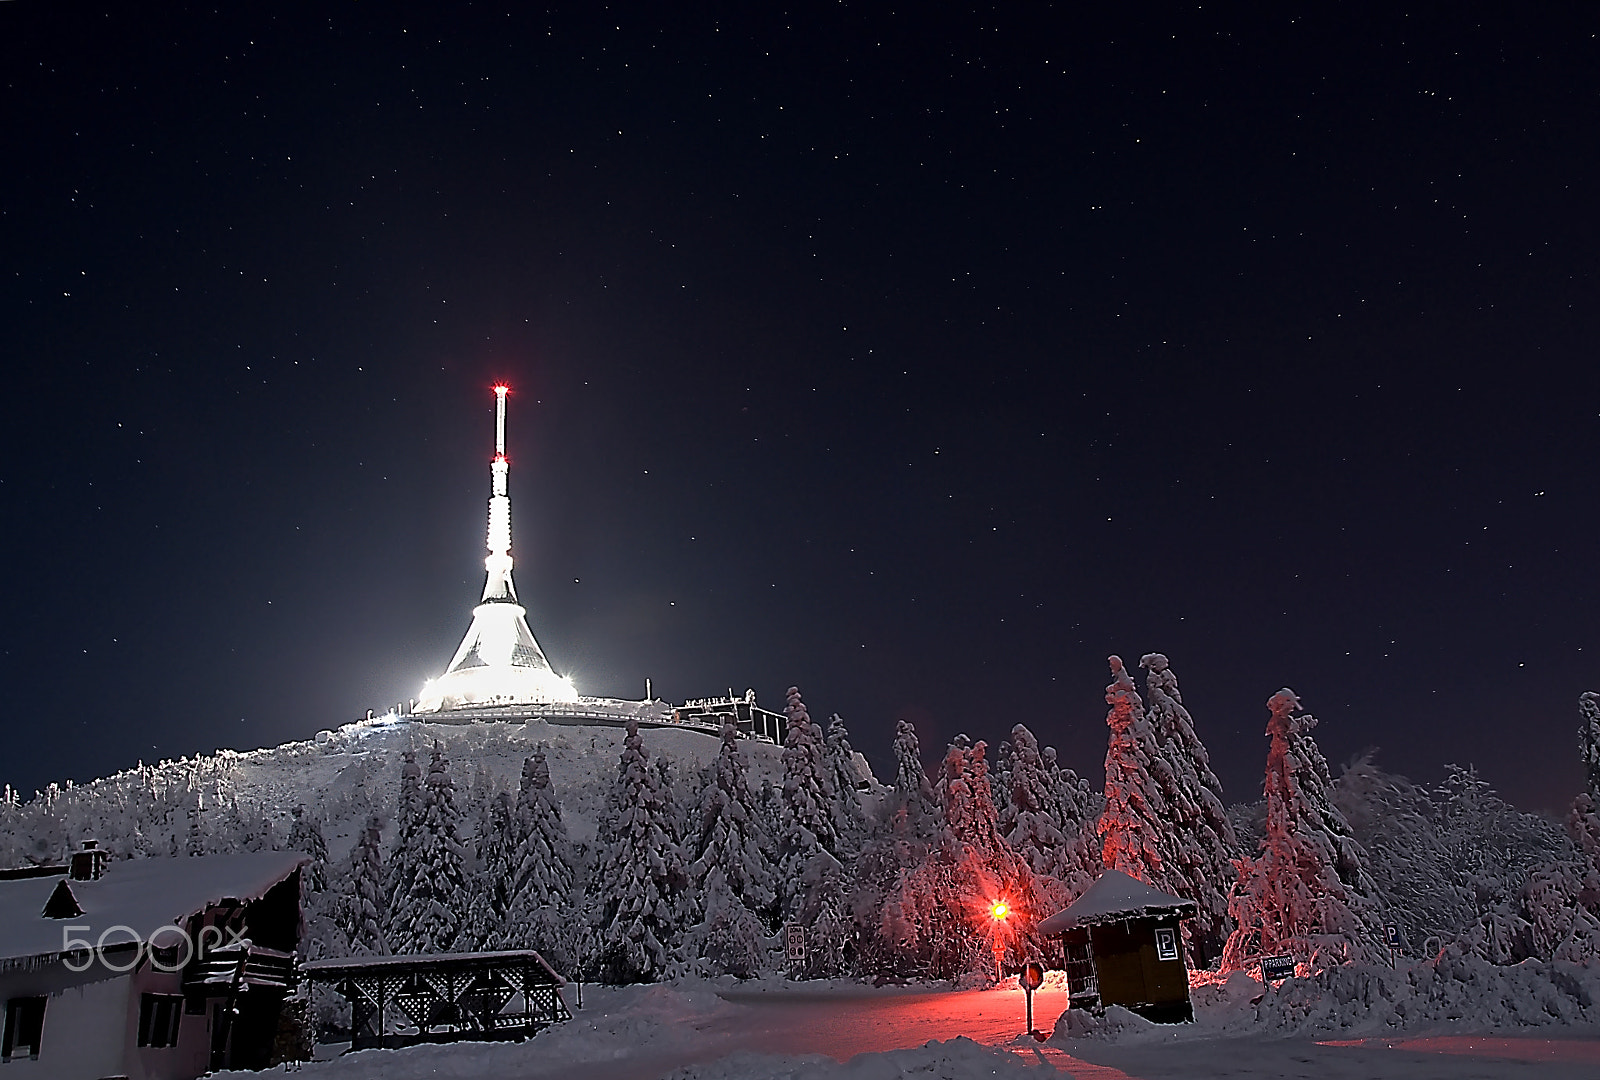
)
(498, 663)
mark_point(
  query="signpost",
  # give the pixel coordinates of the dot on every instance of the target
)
(794, 944)
(1032, 979)
(1274, 968)
(1391, 934)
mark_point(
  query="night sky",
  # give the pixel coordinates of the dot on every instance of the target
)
(921, 357)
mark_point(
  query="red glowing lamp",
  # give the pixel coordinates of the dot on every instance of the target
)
(1000, 910)
(502, 389)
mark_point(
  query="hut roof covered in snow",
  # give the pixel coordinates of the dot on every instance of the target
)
(1114, 897)
(142, 895)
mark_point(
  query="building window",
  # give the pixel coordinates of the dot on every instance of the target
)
(158, 1019)
(1166, 944)
(24, 1026)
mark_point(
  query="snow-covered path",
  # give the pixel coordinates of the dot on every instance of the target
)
(724, 1031)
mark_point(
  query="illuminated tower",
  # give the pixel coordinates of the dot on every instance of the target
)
(499, 662)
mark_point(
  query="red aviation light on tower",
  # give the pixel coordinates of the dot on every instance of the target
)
(502, 389)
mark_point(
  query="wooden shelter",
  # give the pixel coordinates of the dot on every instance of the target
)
(1124, 947)
(444, 997)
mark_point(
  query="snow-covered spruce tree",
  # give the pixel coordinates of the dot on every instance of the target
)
(485, 926)
(900, 835)
(1080, 807)
(1198, 845)
(642, 874)
(408, 810)
(1308, 893)
(731, 840)
(850, 817)
(941, 908)
(305, 836)
(360, 908)
(1396, 823)
(808, 790)
(430, 869)
(1583, 818)
(808, 870)
(732, 890)
(913, 791)
(1044, 830)
(1131, 821)
(1589, 741)
(539, 913)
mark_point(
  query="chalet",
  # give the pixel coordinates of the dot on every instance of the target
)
(150, 969)
(1124, 947)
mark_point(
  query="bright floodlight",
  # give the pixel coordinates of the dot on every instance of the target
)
(1000, 910)
(499, 662)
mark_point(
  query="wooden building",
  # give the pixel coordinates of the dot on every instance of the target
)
(1124, 947)
(444, 997)
(148, 969)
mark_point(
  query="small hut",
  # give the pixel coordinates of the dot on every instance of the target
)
(1124, 947)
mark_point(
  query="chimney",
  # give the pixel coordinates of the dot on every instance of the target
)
(88, 864)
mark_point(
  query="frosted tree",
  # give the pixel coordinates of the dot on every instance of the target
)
(1583, 818)
(939, 910)
(913, 791)
(1308, 892)
(1589, 741)
(305, 836)
(808, 791)
(360, 909)
(1131, 821)
(1040, 824)
(850, 818)
(731, 834)
(643, 874)
(1080, 807)
(1198, 845)
(539, 903)
(485, 922)
(1397, 823)
(430, 870)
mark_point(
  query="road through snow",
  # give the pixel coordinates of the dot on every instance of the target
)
(845, 1023)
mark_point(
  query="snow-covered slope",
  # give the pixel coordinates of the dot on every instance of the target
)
(341, 776)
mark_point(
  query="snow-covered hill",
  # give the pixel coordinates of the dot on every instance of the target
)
(340, 776)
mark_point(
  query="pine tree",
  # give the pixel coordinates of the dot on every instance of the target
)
(913, 791)
(643, 873)
(1308, 893)
(1131, 822)
(432, 895)
(940, 910)
(361, 908)
(808, 791)
(539, 905)
(1198, 845)
(731, 834)
(1041, 825)
(850, 817)
(305, 836)
(485, 924)
(1589, 741)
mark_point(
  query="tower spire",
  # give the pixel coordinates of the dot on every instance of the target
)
(498, 662)
(497, 586)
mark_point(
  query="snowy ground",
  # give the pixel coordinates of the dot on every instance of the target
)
(843, 1031)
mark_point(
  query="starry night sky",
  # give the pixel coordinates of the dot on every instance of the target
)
(921, 357)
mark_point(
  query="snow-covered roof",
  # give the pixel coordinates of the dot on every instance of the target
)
(141, 894)
(349, 964)
(1115, 897)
